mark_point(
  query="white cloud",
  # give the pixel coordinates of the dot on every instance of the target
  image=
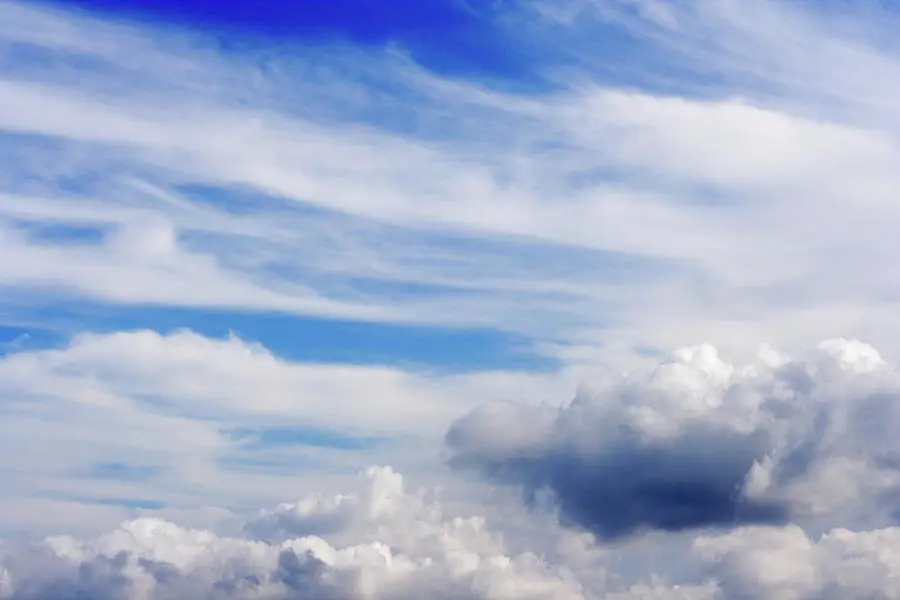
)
(167, 406)
(742, 204)
(400, 546)
(788, 565)
(395, 544)
(143, 263)
(222, 377)
(830, 61)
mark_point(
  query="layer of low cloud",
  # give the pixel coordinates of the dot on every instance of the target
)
(401, 547)
(702, 443)
(391, 543)
(772, 479)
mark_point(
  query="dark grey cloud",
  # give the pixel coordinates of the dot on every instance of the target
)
(691, 481)
(698, 443)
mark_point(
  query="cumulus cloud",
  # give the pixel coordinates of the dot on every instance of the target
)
(399, 546)
(393, 544)
(699, 442)
(786, 564)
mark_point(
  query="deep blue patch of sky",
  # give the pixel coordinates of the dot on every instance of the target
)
(50, 232)
(448, 36)
(44, 322)
(17, 336)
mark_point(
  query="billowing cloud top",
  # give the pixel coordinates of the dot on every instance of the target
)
(402, 547)
(702, 443)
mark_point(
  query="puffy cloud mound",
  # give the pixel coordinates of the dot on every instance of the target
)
(785, 564)
(400, 546)
(702, 443)
(384, 543)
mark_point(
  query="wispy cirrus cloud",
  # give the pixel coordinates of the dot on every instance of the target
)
(695, 199)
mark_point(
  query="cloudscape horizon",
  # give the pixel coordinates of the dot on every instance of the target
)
(449, 300)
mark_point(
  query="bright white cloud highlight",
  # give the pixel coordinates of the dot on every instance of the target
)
(395, 544)
(401, 547)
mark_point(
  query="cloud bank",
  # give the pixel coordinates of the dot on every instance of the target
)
(402, 547)
(383, 542)
(776, 479)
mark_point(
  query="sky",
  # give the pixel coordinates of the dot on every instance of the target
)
(449, 300)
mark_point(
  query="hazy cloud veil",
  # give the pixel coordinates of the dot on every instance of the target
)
(297, 306)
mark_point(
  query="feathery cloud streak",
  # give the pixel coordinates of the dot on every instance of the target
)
(373, 181)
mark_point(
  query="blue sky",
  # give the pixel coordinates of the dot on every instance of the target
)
(446, 36)
(249, 249)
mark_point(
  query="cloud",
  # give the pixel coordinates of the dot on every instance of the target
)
(787, 564)
(701, 443)
(185, 420)
(397, 545)
(733, 178)
(776, 51)
(291, 180)
(401, 547)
